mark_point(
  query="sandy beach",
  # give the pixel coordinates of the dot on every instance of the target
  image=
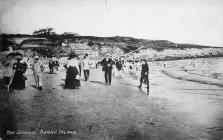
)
(165, 58)
(175, 109)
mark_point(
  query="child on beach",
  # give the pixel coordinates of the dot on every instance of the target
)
(38, 69)
(8, 75)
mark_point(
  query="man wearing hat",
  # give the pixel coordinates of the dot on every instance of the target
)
(38, 68)
(107, 63)
(86, 67)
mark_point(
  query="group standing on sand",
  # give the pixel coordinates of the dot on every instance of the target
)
(14, 75)
(15, 79)
(107, 66)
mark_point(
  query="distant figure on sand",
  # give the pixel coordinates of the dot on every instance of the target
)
(144, 75)
(8, 74)
(107, 63)
(118, 66)
(51, 65)
(38, 69)
(86, 67)
(56, 64)
(72, 67)
(79, 64)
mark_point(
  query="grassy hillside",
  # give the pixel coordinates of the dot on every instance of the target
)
(128, 44)
(117, 45)
(125, 43)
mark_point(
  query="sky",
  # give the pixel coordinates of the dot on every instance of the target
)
(180, 21)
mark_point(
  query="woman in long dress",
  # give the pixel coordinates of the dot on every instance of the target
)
(72, 72)
(19, 79)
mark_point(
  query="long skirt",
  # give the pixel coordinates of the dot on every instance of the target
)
(70, 82)
(18, 82)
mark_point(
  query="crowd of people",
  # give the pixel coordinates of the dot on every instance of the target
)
(115, 66)
(14, 76)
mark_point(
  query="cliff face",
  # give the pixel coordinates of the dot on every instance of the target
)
(118, 45)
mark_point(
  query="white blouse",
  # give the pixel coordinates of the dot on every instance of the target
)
(73, 63)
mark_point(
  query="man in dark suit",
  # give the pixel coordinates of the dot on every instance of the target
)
(51, 65)
(145, 75)
(107, 63)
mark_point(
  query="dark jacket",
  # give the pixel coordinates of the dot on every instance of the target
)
(107, 65)
(118, 64)
(51, 64)
(145, 69)
(18, 81)
(20, 67)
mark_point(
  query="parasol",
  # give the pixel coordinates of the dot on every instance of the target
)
(14, 55)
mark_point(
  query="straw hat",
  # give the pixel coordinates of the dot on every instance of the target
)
(36, 57)
(107, 54)
(72, 55)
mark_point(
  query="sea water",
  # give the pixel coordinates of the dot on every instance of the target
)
(210, 67)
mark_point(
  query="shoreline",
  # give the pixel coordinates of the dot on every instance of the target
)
(181, 75)
(185, 58)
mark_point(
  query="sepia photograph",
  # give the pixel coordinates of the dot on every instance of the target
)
(111, 69)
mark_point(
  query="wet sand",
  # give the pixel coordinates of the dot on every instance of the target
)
(176, 109)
